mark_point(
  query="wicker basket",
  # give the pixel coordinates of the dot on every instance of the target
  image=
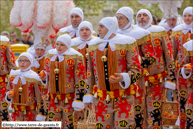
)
(88, 122)
(169, 111)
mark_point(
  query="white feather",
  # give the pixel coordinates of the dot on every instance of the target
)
(27, 13)
(15, 18)
(51, 31)
(59, 14)
(70, 6)
(23, 28)
(44, 12)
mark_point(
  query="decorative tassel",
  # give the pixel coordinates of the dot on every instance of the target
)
(189, 83)
(147, 73)
(6, 80)
(108, 97)
(87, 55)
(137, 94)
(95, 95)
(66, 100)
(56, 100)
(146, 83)
(124, 96)
(146, 89)
(161, 80)
(13, 111)
(48, 97)
(25, 112)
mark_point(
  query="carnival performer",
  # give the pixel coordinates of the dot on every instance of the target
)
(180, 35)
(113, 65)
(81, 43)
(7, 62)
(146, 51)
(38, 51)
(65, 71)
(23, 91)
(155, 81)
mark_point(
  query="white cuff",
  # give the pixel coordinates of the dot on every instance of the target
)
(184, 75)
(6, 98)
(45, 84)
(88, 99)
(40, 118)
(170, 85)
(126, 79)
(78, 106)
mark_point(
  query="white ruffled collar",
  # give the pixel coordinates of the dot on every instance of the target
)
(188, 45)
(155, 28)
(70, 51)
(118, 39)
(184, 28)
(133, 32)
(28, 74)
(80, 43)
(70, 29)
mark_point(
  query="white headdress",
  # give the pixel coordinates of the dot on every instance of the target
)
(77, 11)
(86, 24)
(128, 12)
(111, 24)
(150, 17)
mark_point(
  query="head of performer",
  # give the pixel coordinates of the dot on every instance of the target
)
(85, 30)
(144, 18)
(25, 61)
(76, 17)
(40, 44)
(171, 21)
(108, 27)
(188, 15)
(124, 17)
(63, 43)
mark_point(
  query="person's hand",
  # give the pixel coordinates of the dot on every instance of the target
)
(118, 78)
(42, 75)
(88, 106)
(10, 95)
(43, 78)
(187, 70)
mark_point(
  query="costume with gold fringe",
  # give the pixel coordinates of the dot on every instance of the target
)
(7, 62)
(188, 60)
(113, 100)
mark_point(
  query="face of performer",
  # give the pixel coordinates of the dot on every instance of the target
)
(40, 52)
(171, 22)
(188, 18)
(142, 19)
(61, 47)
(85, 33)
(102, 30)
(122, 20)
(24, 62)
(75, 20)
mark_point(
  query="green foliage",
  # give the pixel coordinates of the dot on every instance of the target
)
(5, 9)
(136, 6)
(90, 7)
(185, 4)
